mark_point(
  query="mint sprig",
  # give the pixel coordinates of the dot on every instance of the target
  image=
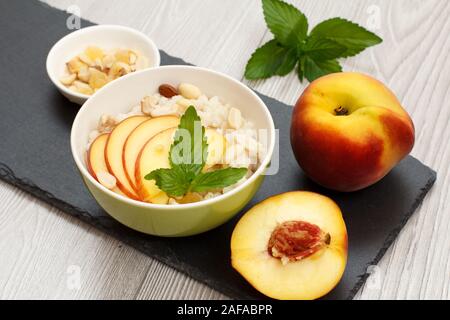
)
(315, 54)
(187, 158)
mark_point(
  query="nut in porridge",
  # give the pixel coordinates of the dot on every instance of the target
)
(189, 91)
(168, 91)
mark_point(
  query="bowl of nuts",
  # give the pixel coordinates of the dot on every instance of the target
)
(84, 61)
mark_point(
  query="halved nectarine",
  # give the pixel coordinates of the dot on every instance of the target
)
(114, 149)
(139, 137)
(291, 246)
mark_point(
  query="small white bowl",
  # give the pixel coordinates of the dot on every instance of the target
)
(103, 36)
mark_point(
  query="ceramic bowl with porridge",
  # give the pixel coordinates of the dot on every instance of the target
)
(174, 150)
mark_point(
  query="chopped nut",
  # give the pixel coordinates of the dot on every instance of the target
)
(75, 65)
(189, 91)
(141, 62)
(108, 61)
(118, 69)
(84, 74)
(123, 55)
(94, 53)
(148, 103)
(82, 87)
(68, 79)
(132, 58)
(96, 68)
(106, 179)
(235, 118)
(106, 123)
(98, 63)
(98, 79)
(84, 58)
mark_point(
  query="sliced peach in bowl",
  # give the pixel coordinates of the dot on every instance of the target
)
(217, 145)
(291, 246)
(154, 155)
(139, 137)
(96, 158)
(114, 150)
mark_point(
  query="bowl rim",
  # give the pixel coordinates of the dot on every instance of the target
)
(74, 34)
(259, 171)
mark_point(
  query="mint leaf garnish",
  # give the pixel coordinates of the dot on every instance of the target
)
(217, 179)
(314, 69)
(173, 181)
(314, 54)
(288, 24)
(323, 49)
(187, 158)
(349, 34)
(269, 60)
(190, 147)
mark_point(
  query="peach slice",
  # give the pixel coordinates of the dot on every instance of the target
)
(154, 155)
(291, 246)
(138, 138)
(114, 150)
(96, 162)
(216, 148)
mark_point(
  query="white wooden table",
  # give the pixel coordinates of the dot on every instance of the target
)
(41, 247)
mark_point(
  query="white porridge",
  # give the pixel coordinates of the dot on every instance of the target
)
(232, 143)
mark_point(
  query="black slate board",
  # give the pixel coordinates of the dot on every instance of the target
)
(35, 123)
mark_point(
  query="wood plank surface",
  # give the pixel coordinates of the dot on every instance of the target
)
(43, 249)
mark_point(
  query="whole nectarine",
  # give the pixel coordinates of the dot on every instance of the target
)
(348, 131)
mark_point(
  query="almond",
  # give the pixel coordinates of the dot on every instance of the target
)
(189, 91)
(168, 91)
(68, 79)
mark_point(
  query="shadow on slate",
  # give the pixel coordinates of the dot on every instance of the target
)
(35, 122)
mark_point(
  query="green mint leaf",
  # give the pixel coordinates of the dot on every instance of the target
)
(185, 175)
(323, 49)
(172, 181)
(300, 68)
(288, 62)
(354, 37)
(269, 60)
(315, 69)
(288, 24)
(190, 148)
(217, 179)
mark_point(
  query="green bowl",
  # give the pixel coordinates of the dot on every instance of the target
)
(170, 220)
